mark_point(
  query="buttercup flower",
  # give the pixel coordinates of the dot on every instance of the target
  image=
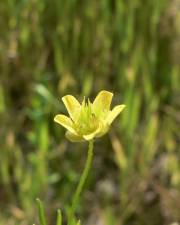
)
(88, 120)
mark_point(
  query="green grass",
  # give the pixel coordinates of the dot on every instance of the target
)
(52, 48)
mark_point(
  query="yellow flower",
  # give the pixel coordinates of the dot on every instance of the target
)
(88, 120)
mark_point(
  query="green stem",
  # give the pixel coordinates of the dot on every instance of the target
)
(82, 180)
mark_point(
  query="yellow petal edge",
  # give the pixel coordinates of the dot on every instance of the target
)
(65, 122)
(73, 137)
(114, 113)
(72, 105)
(103, 100)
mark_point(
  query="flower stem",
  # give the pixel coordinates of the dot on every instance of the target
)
(82, 181)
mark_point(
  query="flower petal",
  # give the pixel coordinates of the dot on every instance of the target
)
(73, 137)
(103, 101)
(104, 129)
(114, 113)
(72, 105)
(65, 122)
(90, 136)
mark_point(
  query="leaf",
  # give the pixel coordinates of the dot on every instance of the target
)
(78, 222)
(59, 217)
(42, 218)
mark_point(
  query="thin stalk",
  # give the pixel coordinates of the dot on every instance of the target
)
(82, 181)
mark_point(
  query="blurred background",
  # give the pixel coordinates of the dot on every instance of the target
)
(52, 48)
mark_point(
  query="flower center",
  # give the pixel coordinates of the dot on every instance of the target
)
(87, 121)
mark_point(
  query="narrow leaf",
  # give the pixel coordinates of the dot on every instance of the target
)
(59, 217)
(78, 222)
(41, 212)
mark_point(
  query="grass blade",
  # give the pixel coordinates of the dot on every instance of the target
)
(59, 217)
(41, 212)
